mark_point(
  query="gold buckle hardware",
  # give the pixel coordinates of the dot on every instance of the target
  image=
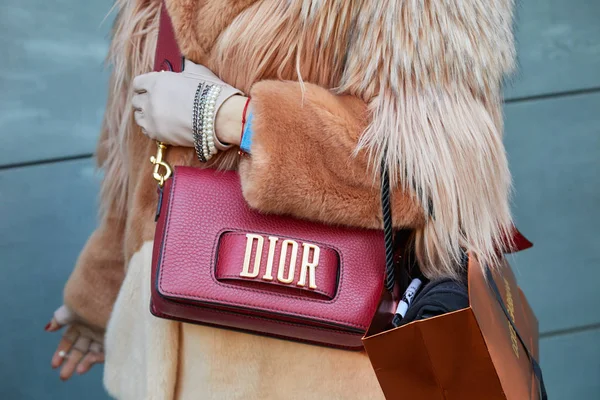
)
(158, 163)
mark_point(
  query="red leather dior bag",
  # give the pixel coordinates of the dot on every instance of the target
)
(218, 262)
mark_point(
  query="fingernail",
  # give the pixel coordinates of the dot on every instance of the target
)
(47, 328)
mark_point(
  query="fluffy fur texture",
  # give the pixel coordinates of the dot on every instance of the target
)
(306, 126)
(150, 358)
(144, 347)
(131, 53)
(237, 366)
(430, 71)
(414, 82)
(94, 284)
(432, 74)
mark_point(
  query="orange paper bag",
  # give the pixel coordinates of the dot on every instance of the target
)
(475, 353)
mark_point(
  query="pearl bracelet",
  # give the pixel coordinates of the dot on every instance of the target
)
(203, 120)
(209, 120)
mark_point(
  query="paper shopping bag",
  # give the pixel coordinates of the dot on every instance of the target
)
(486, 351)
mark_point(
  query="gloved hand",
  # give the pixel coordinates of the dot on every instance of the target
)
(164, 102)
(81, 346)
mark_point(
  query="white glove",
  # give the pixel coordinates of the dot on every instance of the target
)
(164, 102)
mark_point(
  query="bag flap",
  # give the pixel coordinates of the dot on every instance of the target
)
(283, 267)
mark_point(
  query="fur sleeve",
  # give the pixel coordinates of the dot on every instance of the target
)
(302, 160)
(431, 74)
(94, 284)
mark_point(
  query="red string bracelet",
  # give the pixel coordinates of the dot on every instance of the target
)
(241, 152)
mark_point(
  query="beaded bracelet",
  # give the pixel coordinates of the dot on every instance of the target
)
(199, 106)
(205, 102)
(208, 122)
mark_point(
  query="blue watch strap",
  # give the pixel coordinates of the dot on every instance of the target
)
(248, 134)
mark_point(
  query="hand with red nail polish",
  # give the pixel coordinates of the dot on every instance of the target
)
(81, 346)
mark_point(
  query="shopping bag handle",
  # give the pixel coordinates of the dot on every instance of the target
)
(537, 370)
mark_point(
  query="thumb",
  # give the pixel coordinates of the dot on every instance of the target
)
(62, 316)
(199, 71)
(53, 326)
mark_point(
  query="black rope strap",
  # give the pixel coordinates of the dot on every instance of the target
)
(537, 370)
(388, 230)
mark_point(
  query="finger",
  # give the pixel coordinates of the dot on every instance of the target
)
(96, 336)
(96, 348)
(62, 351)
(73, 360)
(99, 358)
(89, 361)
(138, 116)
(82, 344)
(53, 326)
(71, 334)
(142, 83)
(138, 101)
(62, 316)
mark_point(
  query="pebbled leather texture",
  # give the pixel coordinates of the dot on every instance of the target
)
(202, 217)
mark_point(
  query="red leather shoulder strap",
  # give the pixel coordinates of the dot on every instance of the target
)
(517, 243)
(168, 56)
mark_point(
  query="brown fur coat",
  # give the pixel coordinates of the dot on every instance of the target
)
(333, 84)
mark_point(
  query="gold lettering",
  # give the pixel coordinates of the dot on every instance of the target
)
(513, 339)
(309, 266)
(250, 238)
(269, 273)
(282, 258)
(510, 305)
